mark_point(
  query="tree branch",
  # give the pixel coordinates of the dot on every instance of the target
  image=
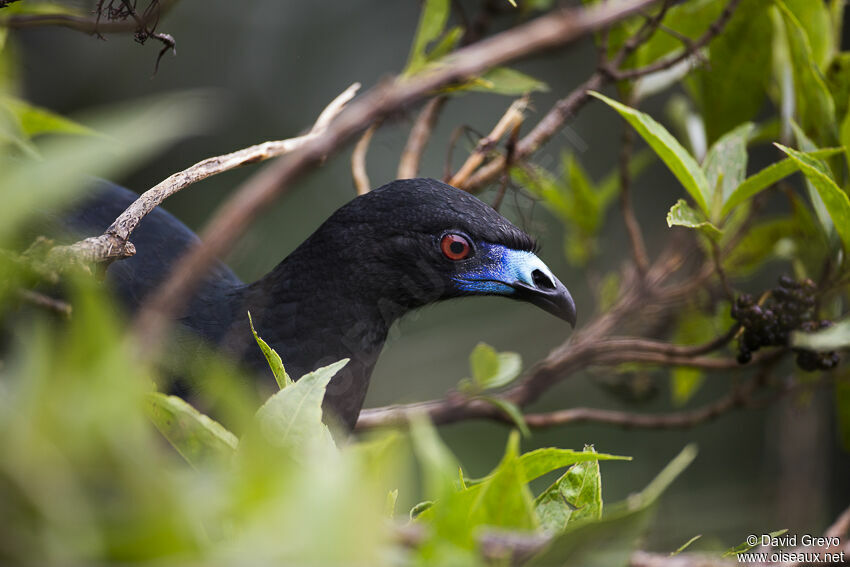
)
(408, 166)
(114, 243)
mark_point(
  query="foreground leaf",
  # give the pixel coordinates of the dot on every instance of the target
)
(273, 358)
(577, 495)
(197, 437)
(726, 164)
(292, 418)
(612, 539)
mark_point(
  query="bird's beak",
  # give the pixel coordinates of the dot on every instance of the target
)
(539, 287)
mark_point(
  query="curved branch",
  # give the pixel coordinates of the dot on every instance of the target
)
(114, 243)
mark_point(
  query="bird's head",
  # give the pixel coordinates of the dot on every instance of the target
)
(416, 241)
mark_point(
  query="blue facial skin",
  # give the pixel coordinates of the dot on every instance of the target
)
(498, 266)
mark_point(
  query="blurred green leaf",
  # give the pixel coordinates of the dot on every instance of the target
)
(767, 177)
(275, 363)
(292, 418)
(838, 81)
(815, 106)
(512, 411)
(506, 81)
(504, 500)
(491, 369)
(432, 21)
(814, 19)
(832, 338)
(834, 199)
(612, 539)
(759, 244)
(129, 135)
(681, 214)
(439, 465)
(34, 120)
(726, 165)
(730, 88)
(196, 436)
(671, 152)
(577, 495)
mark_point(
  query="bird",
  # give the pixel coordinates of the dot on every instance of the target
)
(402, 246)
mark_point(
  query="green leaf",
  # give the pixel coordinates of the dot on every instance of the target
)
(612, 539)
(681, 214)
(130, 134)
(694, 327)
(511, 410)
(505, 81)
(491, 369)
(842, 408)
(446, 44)
(685, 545)
(759, 245)
(832, 338)
(726, 164)
(504, 500)
(730, 88)
(671, 152)
(838, 81)
(815, 106)
(439, 465)
(834, 199)
(577, 495)
(545, 460)
(34, 120)
(435, 14)
(292, 418)
(197, 437)
(815, 22)
(542, 461)
(745, 547)
(273, 358)
(767, 177)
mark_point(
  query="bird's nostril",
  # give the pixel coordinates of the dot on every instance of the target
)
(541, 280)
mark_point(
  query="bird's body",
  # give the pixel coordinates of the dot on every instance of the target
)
(397, 248)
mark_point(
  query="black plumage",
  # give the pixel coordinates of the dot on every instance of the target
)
(379, 256)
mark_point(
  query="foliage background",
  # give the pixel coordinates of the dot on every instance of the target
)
(270, 65)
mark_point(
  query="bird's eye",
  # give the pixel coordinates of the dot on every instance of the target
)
(455, 247)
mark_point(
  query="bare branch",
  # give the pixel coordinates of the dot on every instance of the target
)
(46, 302)
(114, 243)
(632, 226)
(408, 166)
(358, 161)
(512, 118)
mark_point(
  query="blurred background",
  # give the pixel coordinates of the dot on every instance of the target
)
(270, 66)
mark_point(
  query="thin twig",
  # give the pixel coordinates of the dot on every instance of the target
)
(46, 302)
(358, 161)
(512, 117)
(632, 226)
(408, 165)
(114, 242)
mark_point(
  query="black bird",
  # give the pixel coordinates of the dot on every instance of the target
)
(407, 244)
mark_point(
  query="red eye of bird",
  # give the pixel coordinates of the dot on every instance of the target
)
(455, 247)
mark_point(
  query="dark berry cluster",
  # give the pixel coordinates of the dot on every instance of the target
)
(786, 308)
